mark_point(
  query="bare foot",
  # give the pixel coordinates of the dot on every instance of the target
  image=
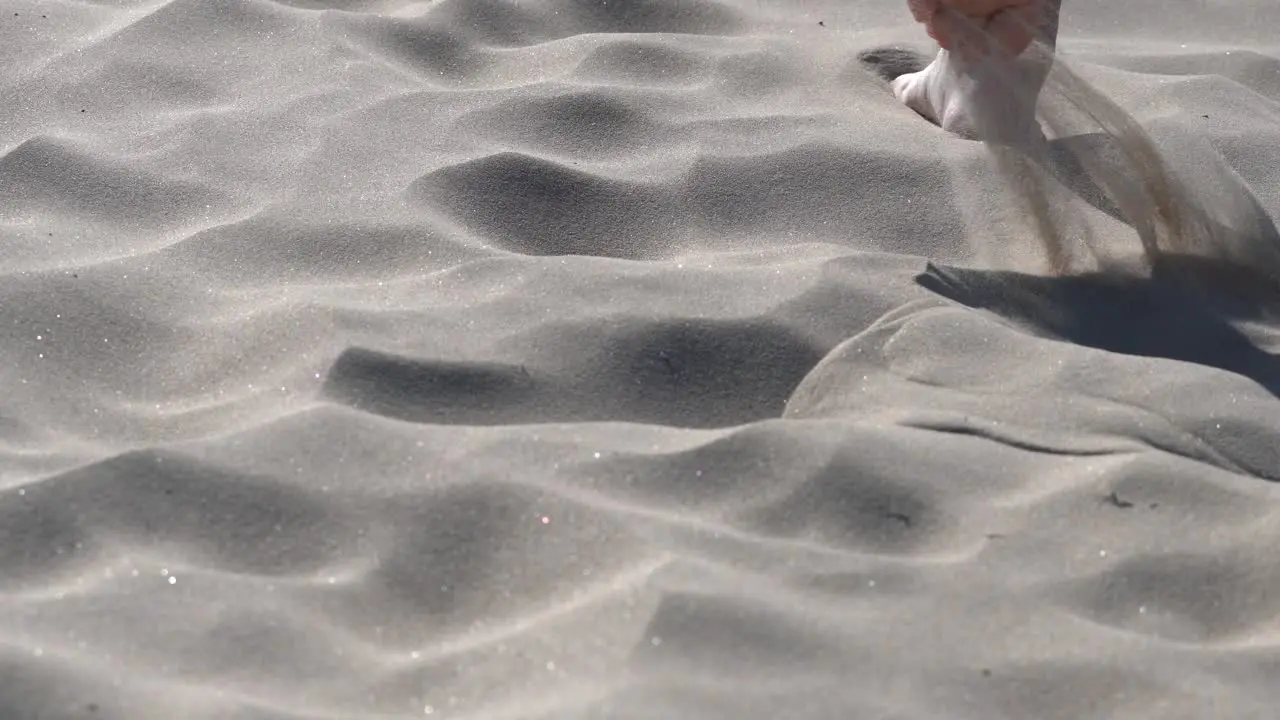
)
(993, 98)
(987, 89)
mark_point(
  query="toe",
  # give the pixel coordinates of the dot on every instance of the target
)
(909, 89)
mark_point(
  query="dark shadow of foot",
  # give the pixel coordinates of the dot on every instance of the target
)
(1184, 311)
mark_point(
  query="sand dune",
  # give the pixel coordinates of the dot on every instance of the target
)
(625, 359)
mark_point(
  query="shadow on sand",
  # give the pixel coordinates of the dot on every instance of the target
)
(1187, 310)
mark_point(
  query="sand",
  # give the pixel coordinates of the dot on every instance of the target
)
(627, 359)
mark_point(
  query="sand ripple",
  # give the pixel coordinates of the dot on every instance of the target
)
(582, 359)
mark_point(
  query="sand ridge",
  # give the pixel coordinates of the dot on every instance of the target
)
(584, 359)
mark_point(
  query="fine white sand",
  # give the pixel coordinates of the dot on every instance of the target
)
(616, 359)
